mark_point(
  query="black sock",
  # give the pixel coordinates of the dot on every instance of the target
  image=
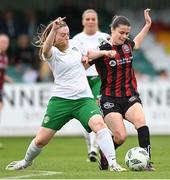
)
(115, 144)
(144, 138)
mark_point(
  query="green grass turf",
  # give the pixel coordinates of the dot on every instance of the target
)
(68, 155)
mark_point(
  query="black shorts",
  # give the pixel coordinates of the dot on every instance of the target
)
(110, 104)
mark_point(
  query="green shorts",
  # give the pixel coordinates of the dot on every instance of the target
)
(95, 83)
(60, 111)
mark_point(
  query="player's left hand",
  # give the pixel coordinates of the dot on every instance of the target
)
(110, 53)
(147, 17)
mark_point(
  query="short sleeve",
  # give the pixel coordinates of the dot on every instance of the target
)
(51, 57)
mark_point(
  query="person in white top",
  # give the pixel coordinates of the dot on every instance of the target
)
(90, 38)
(72, 97)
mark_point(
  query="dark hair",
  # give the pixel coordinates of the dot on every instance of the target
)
(119, 20)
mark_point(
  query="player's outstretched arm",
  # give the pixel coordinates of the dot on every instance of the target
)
(48, 43)
(98, 53)
(139, 38)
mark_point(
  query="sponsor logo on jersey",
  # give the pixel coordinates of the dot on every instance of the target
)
(108, 105)
(124, 60)
(112, 63)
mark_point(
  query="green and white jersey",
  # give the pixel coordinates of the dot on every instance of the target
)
(90, 42)
(69, 74)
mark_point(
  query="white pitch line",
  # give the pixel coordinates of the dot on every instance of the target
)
(39, 173)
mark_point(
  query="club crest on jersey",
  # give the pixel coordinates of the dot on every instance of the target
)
(108, 105)
(100, 40)
(125, 48)
(112, 63)
(46, 119)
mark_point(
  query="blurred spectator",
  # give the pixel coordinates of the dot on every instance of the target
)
(31, 23)
(25, 59)
(163, 74)
(24, 52)
(10, 25)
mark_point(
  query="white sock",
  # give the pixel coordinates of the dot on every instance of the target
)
(32, 152)
(105, 143)
(93, 142)
(87, 138)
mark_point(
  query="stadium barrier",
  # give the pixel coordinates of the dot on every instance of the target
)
(25, 105)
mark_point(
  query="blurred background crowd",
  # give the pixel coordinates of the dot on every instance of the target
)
(20, 19)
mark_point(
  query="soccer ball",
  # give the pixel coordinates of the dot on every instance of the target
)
(137, 159)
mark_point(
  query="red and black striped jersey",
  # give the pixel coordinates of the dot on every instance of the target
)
(117, 74)
(3, 66)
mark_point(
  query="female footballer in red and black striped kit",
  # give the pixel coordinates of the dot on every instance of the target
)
(4, 44)
(117, 73)
(120, 98)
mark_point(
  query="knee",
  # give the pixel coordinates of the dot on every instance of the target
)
(100, 125)
(39, 142)
(97, 123)
(119, 137)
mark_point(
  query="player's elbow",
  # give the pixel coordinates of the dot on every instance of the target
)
(137, 46)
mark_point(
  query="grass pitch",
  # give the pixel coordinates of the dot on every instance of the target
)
(65, 158)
